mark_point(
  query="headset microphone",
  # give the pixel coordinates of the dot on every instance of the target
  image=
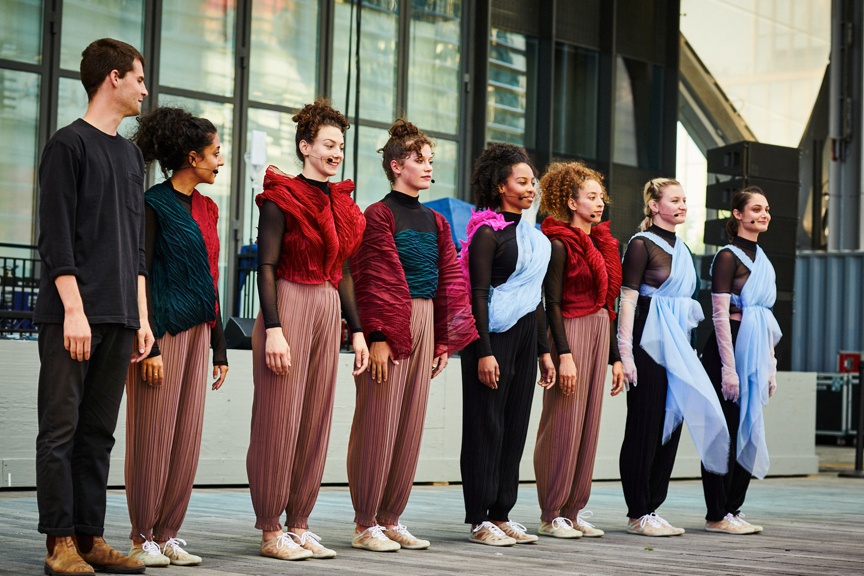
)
(752, 221)
(432, 180)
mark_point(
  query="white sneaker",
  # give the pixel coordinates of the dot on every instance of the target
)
(400, 534)
(560, 527)
(177, 555)
(588, 530)
(148, 553)
(312, 542)
(283, 547)
(489, 534)
(650, 525)
(517, 532)
(374, 540)
(729, 524)
(740, 518)
(676, 531)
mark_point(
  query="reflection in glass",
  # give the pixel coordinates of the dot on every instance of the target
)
(21, 30)
(87, 20)
(19, 122)
(575, 109)
(446, 164)
(638, 114)
(377, 58)
(222, 117)
(283, 63)
(372, 184)
(198, 46)
(72, 104)
(511, 91)
(434, 74)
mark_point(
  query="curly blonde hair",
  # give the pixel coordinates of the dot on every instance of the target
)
(561, 182)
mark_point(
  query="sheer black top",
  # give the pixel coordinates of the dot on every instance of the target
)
(729, 274)
(647, 263)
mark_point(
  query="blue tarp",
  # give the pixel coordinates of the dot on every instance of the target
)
(457, 212)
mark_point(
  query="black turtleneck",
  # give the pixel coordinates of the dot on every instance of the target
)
(728, 273)
(323, 186)
(492, 261)
(217, 333)
(647, 263)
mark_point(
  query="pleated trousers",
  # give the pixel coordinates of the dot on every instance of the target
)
(291, 414)
(388, 426)
(163, 434)
(569, 425)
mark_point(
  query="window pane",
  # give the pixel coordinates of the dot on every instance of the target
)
(198, 46)
(85, 21)
(72, 104)
(377, 59)
(372, 183)
(511, 92)
(19, 121)
(21, 30)
(434, 73)
(638, 114)
(283, 64)
(575, 109)
(445, 173)
(222, 117)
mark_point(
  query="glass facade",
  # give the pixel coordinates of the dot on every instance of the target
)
(21, 30)
(87, 20)
(576, 84)
(19, 117)
(510, 108)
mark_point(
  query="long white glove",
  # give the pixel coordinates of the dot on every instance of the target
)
(626, 318)
(720, 316)
(772, 379)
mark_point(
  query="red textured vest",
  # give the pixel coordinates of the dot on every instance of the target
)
(592, 279)
(205, 212)
(320, 231)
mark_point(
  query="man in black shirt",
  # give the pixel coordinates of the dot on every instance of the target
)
(92, 304)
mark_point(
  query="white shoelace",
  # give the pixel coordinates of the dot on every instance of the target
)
(652, 520)
(561, 522)
(493, 529)
(661, 521)
(376, 532)
(150, 547)
(402, 529)
(740, 518)
(174, 543)
(307, 535)
(286, 541)
(516, 527)
(733, 520)
(580, 518)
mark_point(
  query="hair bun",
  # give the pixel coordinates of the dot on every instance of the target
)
(401, 128)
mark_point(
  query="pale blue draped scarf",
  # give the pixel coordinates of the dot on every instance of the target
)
(666, 338)
(521, 293)
(757, 337)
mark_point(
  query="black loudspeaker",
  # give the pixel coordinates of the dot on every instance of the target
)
(783, 196)
(238, 333)
(755, 160)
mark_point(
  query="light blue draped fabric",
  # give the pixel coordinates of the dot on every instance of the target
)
(666, 338)
(522, 291)
(757, 337)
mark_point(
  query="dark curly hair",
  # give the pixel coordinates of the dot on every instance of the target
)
(168, 135)
(312, 117)
(561, 182)
(492, 168)
(739, 201)
(405, 138)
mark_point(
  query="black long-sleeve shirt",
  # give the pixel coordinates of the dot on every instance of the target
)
(493, 257)
(91, 221)
(729, 274)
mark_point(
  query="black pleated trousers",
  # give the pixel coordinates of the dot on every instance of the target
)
(495, 422)
(724, 494)
(646, 462)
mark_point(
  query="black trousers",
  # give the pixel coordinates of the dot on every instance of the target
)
(495, 422)
(646, 462)
(77, 408)
(724, 494)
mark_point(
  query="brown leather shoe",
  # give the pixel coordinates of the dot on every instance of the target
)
(104, 558)
(65, 561)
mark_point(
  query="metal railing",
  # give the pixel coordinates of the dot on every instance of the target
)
(19, 288)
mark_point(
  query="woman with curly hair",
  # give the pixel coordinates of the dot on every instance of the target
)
(165, 397)
(505, 259)
(307, 229)
(655, 317)
(739, 357)
(581, 287)
(416, 311)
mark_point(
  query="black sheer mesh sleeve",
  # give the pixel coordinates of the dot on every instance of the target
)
(723, 272)
(614, 355)
(217, 341)
(481, 256)
(348, 300)
(271, 228)
(542, 339)
(151, 228)
(635, 262)
(553, 286)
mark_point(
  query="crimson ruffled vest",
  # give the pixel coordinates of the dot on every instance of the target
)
(592, 279)
(321, 232)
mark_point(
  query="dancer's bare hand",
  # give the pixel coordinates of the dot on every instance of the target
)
(488, 371)
(380, 358)
(152, 371)
(567, 373)
(361, 353)
(219, 372)
(439, 363)
(277, 352)
(618, 379)
(547, 371)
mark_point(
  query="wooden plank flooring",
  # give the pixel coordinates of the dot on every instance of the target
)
(813, 525)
